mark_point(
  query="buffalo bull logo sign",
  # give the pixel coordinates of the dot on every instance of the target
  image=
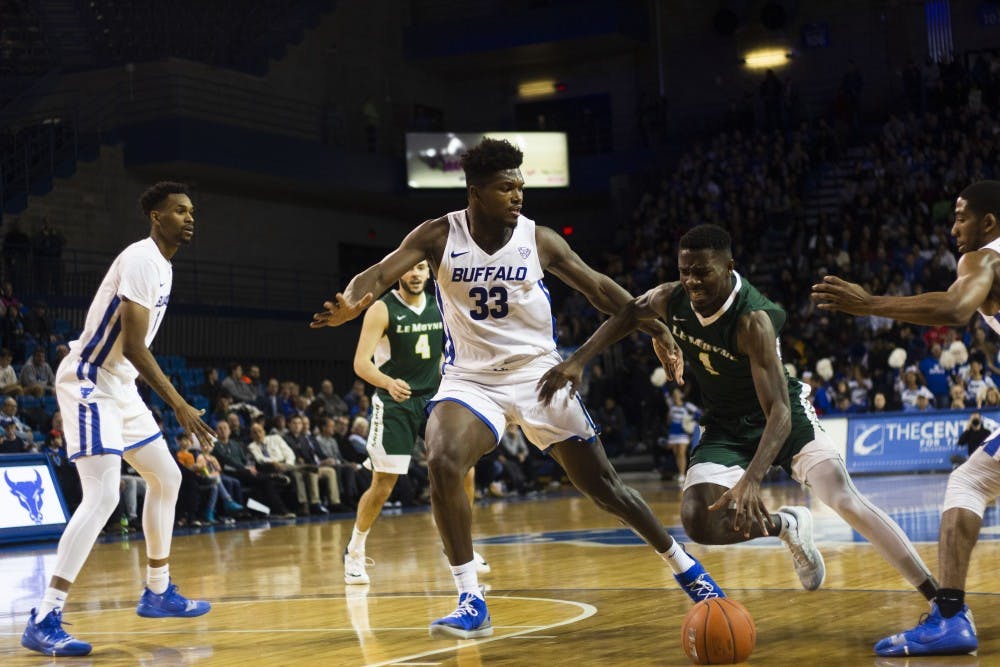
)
(29, 494)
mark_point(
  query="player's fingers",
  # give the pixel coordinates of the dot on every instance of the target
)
(542, 388)
(546, 393)
(544, 383)
(761, 519)
(720, 503)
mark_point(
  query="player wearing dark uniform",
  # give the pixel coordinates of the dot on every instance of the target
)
(734, 421)
(399, 352)
(755, 414)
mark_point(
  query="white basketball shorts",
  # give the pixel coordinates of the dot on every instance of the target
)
(102, 413)
(502, 398)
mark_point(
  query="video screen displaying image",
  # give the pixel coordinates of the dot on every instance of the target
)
(432, 158)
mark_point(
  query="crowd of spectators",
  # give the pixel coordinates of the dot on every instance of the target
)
(896, 182)
(300, 451)
(282, 446)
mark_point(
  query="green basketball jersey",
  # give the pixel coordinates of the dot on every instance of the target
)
(414, 344)
(710, 351)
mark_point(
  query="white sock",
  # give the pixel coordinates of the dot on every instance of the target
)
(466, 579)
(357, 544)
(158, 578)
(53, 599)
(678, 559)
(788, 523)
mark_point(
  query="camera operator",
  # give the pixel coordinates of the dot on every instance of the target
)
(974, 434)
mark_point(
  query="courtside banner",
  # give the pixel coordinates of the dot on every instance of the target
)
(908, 441)
(31, 502)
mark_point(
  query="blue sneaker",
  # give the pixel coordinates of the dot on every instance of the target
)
(934, 635)
(170, 603)
(698, 583)
(47, 636)
(469, 621)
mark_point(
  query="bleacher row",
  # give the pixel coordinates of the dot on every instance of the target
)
(187, 381)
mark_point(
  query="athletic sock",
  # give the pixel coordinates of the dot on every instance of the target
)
(466, 579)
(950, 601)
(53, 599)
(158, 578)
(357, 544)
(678, 559)
(786, 523)
(929, 589)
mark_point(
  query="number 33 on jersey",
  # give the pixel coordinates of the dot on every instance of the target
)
(496, 309)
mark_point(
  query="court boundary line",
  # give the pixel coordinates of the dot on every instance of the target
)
(4, 616)
(587, 610)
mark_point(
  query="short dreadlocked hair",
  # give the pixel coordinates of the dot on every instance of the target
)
(488, 157)
(983, 198)
(156, 194)
(707, 237)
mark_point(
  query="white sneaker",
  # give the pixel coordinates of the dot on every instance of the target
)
(482, 567)
(354, 568)
(806, 557)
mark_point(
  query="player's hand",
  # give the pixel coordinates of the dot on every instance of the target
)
(837, 294)
(189, 417)
(748, 507)
(339, 311)
(671, 357)
(399, 390)
(557, 377)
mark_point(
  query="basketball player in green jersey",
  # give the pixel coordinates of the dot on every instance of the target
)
(755, 414)
(399, 352)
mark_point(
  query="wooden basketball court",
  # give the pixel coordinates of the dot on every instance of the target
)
(568, 587)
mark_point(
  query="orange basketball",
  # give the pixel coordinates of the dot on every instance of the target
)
(718, 631)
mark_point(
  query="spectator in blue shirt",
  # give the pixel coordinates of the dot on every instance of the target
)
(936, 377)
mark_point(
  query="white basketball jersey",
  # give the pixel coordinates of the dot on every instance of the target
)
(497, 312)
(141, 274)
(991, 319)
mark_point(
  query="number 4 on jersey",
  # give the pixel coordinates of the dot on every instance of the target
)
(423, 347)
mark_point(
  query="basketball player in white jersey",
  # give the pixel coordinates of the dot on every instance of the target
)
(499, 340)
(949, 628)
(105, 420)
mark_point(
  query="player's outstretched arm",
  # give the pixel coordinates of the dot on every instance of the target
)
(649, 306)
(755, 337)
(426, 242)
(135, 323)
(951, 308)
(605, 294)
